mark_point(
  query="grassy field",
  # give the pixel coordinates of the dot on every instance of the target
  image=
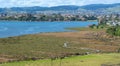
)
(48, 45)
(87, 60)
(34, 46)
(85, 29)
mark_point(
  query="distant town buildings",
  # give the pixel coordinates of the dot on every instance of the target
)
(111, 20)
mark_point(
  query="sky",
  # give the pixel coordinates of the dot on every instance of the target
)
(49, 3)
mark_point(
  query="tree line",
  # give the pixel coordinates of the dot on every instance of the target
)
(50, 17)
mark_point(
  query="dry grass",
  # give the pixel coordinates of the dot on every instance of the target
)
(47, 45)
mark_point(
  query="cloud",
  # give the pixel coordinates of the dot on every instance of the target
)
(27, 3)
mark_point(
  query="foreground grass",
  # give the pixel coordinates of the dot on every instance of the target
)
(88, 60)
(34, 46)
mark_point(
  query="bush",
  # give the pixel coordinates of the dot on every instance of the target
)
(115, 30)
(119, 50)
(93, 26)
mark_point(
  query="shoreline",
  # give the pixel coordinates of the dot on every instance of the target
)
(47, 21)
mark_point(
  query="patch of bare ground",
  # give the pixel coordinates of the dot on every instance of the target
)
(6, 58)
(2, 60)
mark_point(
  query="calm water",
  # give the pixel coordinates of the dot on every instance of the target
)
(12, 28)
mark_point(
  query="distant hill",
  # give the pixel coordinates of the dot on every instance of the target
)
(99, 6)
(37, 8)
(68, 7)
(91, 7)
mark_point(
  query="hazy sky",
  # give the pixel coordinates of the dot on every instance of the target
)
(48, 3)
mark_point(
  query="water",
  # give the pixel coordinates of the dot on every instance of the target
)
(14, 28)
